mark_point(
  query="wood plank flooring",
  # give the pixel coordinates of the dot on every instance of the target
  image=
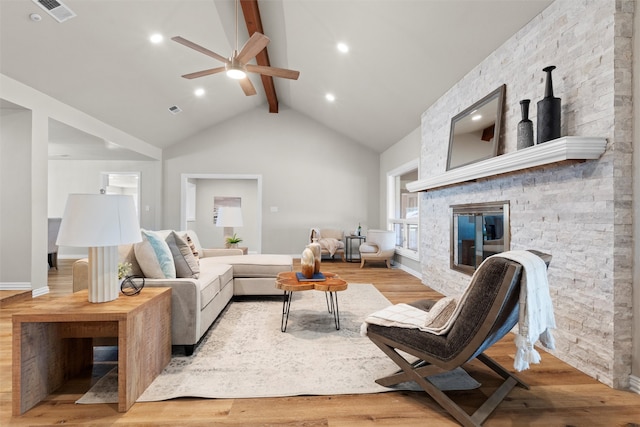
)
(559, 395)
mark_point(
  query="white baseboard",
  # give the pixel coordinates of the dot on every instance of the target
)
(411, 271)
(15, 286)
(40, 291)
(634, 383)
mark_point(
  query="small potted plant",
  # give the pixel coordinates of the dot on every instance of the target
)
(232, 241)
(124, 270)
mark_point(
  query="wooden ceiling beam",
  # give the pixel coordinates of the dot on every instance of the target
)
(254, 24)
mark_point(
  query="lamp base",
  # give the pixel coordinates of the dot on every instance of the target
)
(103, 274)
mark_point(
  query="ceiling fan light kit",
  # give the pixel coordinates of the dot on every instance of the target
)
(236, 66)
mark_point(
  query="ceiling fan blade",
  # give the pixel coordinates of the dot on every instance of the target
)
(273, 71)
(252, 47)
(199, 48)
(247, 86)
(204, 73)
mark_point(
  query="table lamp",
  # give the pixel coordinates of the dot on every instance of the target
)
(100, 222)
(229, 217)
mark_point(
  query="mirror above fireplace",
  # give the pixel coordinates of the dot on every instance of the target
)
(478, 230)
(475, 132)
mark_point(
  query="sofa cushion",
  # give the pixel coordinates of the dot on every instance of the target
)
(212, 278)
(162, 251)
(255, 265)
(185, 263)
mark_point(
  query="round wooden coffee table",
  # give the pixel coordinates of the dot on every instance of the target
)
(289, 283)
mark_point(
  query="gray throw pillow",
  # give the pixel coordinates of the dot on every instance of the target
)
(187, 265)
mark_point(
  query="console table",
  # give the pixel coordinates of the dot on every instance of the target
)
(53, 341)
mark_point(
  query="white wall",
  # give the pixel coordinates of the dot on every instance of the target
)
(43, 108)
(400, 153)
(311, 174)
(211, 236)
(15, 209)
(83, 176)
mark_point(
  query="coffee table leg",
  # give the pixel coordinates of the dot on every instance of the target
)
(286, 307)
(333, 297)
(329, 304)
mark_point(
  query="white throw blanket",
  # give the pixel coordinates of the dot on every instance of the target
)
(536, 318)
(330, 244)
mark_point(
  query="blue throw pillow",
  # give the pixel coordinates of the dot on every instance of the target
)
(163, 253)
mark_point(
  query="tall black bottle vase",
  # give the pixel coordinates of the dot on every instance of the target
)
(525, 126)
(548, 112)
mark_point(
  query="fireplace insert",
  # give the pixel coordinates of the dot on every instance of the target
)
(478, 230)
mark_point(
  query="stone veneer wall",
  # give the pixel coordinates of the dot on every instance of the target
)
(580, 212)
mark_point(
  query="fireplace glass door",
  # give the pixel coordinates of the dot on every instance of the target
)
(478, 231)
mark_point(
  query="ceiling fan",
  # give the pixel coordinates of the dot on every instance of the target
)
(237, 65)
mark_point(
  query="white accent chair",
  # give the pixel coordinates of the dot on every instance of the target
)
(380, 246)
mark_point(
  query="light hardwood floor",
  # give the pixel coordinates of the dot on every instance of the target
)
(559, 395)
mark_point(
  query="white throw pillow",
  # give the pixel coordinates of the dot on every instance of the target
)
(440, 312)
(163, 253)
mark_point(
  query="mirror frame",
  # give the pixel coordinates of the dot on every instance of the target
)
(498, 94)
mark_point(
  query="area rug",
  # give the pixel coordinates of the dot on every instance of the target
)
(244, 354)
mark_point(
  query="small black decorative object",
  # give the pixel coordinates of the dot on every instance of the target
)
(132, 285)
(525, 127)
(548, 112)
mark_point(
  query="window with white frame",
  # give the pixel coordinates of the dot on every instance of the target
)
(403, 209)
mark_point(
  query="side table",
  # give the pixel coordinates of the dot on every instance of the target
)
(348, 250)
(53, 341)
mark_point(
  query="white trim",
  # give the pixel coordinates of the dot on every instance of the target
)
(391, 188)
(634, 383)
(558, 150)
(184, 178)
(392, 192)
(40, 291)
(408, 253)
(411, 271)
(104, 183)
(15, 286)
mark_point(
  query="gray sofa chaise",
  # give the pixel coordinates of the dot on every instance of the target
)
(197, 302)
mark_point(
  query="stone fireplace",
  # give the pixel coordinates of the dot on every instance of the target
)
(579, 211)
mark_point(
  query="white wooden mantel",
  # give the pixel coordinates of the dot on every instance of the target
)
(558, 150)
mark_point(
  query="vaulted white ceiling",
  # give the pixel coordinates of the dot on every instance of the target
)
(404, 54)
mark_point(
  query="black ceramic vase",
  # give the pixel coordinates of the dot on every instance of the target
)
(525, 127)
(548, 112)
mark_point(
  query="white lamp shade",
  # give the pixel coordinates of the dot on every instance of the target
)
(94, 220)
(229, 217)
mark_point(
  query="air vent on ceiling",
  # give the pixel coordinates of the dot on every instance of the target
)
(175, 109)
(56, 8)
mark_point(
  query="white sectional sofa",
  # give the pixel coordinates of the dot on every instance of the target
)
(197, 302)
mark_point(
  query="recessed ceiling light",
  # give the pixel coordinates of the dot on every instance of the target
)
(156, 38)
(342, 47)
(330, 97)
(199, 92)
